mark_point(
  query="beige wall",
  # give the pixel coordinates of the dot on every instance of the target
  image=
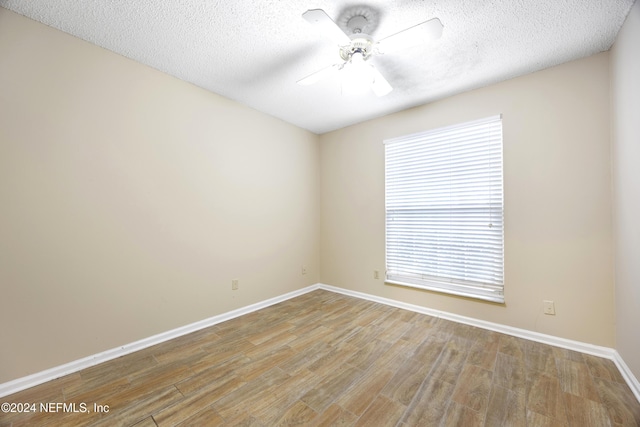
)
(625, 73)
(130, 200)
(557, 200)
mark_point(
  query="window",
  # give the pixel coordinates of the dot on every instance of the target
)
(444, 210)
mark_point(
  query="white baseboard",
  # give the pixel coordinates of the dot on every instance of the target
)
(604, 352)
(29, 381)
(77, 365)
(628, 376)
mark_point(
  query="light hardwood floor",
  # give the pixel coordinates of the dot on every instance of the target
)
(328, 359)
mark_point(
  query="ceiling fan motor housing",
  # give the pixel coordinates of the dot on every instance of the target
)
(361, 43)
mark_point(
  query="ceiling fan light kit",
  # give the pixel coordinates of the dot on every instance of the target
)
(357, 75)
(355, 49)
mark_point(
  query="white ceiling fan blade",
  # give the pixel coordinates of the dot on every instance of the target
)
(320, 75)
(412, 36)
(325, 25)
(380, 85)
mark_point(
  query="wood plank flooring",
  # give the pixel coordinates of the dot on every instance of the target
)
(327, 359)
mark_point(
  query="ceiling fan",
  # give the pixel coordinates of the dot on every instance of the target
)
(357, 48)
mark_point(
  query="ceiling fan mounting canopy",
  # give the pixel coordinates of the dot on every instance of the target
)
(357, 24)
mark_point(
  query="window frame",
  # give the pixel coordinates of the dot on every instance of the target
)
(476, 289)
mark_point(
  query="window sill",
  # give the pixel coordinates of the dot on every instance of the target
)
(435, 288)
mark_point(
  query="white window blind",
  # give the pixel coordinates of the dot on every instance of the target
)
(444, 209)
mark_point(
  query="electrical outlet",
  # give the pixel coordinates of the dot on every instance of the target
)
(376, 274)
(549, 307)
(234, 284)
(304, 269)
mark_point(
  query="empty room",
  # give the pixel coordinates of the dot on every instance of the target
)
(410, 213)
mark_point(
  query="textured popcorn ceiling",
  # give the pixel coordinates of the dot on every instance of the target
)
(255, 51)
